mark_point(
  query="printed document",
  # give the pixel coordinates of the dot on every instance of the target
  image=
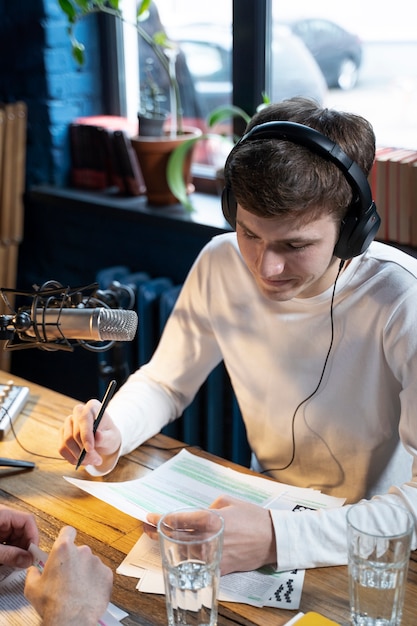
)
(189, 480)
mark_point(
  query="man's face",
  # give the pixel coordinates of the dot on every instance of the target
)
(288, 260)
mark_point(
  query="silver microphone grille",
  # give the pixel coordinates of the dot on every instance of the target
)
(116, 324)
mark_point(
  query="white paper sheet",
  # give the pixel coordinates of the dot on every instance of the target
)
(263, 587)
(189, 480)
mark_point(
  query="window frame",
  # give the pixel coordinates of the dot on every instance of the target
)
(251, 41)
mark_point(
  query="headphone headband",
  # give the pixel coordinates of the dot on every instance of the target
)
(362, 221)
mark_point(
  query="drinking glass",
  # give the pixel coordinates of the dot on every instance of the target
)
(191, 543)
(379, 541)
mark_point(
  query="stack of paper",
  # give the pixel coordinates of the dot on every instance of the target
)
(189, 480)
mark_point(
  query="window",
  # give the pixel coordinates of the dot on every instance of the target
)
(204, 33)
(204, 72)
(361, 59)
(367, 54)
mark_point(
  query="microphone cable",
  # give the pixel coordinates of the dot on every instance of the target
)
(20, 444)
(60, 458)
(313, 393)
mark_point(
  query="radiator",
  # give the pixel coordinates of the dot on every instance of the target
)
(213, 420)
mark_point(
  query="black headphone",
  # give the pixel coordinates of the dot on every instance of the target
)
(362, 221)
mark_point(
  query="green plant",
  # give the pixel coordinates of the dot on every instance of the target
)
(164, 49)
(175, 178)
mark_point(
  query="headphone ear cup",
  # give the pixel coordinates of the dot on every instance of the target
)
(229, 206)
(356, 234)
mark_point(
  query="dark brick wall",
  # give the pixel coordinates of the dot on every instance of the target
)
(36, 66)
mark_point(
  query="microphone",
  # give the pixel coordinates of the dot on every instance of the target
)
(99, 324)
(57, 317)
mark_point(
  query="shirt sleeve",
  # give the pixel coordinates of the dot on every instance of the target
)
(158, 392)
(308, 539)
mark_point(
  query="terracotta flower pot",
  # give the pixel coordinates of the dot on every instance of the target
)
(153, 154)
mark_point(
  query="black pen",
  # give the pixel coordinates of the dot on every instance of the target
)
(107, 397)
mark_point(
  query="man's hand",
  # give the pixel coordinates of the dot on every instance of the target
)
(75, 586)
(17, 531)
(249, 537)
(77, 433)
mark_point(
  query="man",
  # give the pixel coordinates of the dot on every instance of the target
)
(316, 325)
(75, 586)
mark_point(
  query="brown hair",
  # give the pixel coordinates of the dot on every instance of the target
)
(271, 177)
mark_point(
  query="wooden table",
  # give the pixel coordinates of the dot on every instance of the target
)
(111, 534)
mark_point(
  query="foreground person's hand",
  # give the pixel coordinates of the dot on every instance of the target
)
(17, 531)
(75, 586)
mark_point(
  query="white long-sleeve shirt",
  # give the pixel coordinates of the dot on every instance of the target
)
(355, 438)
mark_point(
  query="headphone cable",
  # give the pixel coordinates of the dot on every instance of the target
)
(313, 393)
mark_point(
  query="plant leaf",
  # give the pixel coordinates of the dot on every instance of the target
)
(175, 168)
(221, 113)
(175, 171)
(161, 38)
(69, 9)
(143, 7)
(83, 4)
(78, 50)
